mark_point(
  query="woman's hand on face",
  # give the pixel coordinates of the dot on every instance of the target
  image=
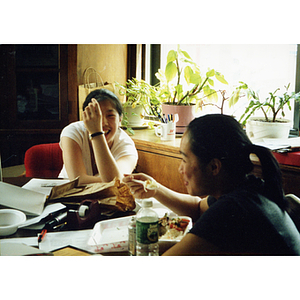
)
(92, 117)
(137, 189)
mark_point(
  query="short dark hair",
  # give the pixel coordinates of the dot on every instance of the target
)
(102, 95)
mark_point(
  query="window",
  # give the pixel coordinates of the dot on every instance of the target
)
(263, 67)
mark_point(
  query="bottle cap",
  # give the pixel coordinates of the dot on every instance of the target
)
(147, 203)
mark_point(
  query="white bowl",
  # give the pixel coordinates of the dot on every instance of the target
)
(10, 219)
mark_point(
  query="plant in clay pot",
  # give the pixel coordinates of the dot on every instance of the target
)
(273, 114)
(192, 92)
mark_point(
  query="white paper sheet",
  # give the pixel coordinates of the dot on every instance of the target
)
(275, 144)
(43, 186)
(30, 241)
(18, 248)
(30, 202)
(56, 240)
(31, 223)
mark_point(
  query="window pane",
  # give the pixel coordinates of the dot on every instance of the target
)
(263, 67)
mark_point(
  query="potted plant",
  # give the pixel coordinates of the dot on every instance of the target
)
(186, 96)
(140, 100)
(273, 124)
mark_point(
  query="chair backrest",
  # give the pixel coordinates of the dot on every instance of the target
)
(43, 161)
(294, 209)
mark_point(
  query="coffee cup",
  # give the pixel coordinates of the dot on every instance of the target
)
(166, 131)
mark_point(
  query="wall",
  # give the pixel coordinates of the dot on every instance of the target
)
(110, 60)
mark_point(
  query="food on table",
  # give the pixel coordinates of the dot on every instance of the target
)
(172, 228)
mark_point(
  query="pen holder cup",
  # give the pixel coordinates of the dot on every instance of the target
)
(166, 131)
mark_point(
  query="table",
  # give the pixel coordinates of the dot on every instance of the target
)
(68, 251)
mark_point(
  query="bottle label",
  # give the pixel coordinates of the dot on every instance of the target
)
(146, 233)
(132, 239)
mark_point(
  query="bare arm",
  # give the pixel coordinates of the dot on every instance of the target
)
(192, 244)
(73, 161)
(107, 166)
(181, 204)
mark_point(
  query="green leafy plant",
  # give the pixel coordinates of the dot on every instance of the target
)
(139, 92)
(196, 87)
(272, 106)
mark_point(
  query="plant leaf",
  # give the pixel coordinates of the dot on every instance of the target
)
(234, 98)
(172, 55)
(185, 54)
(210, 73)
(206, 90)
(211, 82)
(213, 96)
(221, 78)
(188, 72)
(179, 90)
(171, 71)
(130, 130)
(195, 79)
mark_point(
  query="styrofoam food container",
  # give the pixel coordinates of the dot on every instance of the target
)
(10, 219)
(112, 235)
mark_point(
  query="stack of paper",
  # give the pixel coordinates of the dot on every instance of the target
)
(31, 203)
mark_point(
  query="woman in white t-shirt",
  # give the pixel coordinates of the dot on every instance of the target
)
(97, 149)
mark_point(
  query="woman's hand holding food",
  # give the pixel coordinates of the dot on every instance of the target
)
(141, 185)
(92, 117)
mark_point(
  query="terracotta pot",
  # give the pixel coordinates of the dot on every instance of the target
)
(186, 114)
(257, 129)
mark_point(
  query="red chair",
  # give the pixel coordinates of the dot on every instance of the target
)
(43, 161)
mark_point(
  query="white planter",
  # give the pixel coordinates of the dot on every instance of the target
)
(135, 116)
(257, 129)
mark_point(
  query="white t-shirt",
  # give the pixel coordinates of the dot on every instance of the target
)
(123, 145)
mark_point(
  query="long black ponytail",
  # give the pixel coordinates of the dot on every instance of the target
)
(271, 174)
(221, 136)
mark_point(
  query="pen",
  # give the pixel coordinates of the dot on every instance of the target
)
(42, 235)
(53, 215)
(160, 118)
(56, 221)
(165, 119)
(60, 226)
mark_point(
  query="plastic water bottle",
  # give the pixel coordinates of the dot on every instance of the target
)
(132, 236)
(147, 230)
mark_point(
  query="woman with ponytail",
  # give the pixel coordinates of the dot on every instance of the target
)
(233, 211)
